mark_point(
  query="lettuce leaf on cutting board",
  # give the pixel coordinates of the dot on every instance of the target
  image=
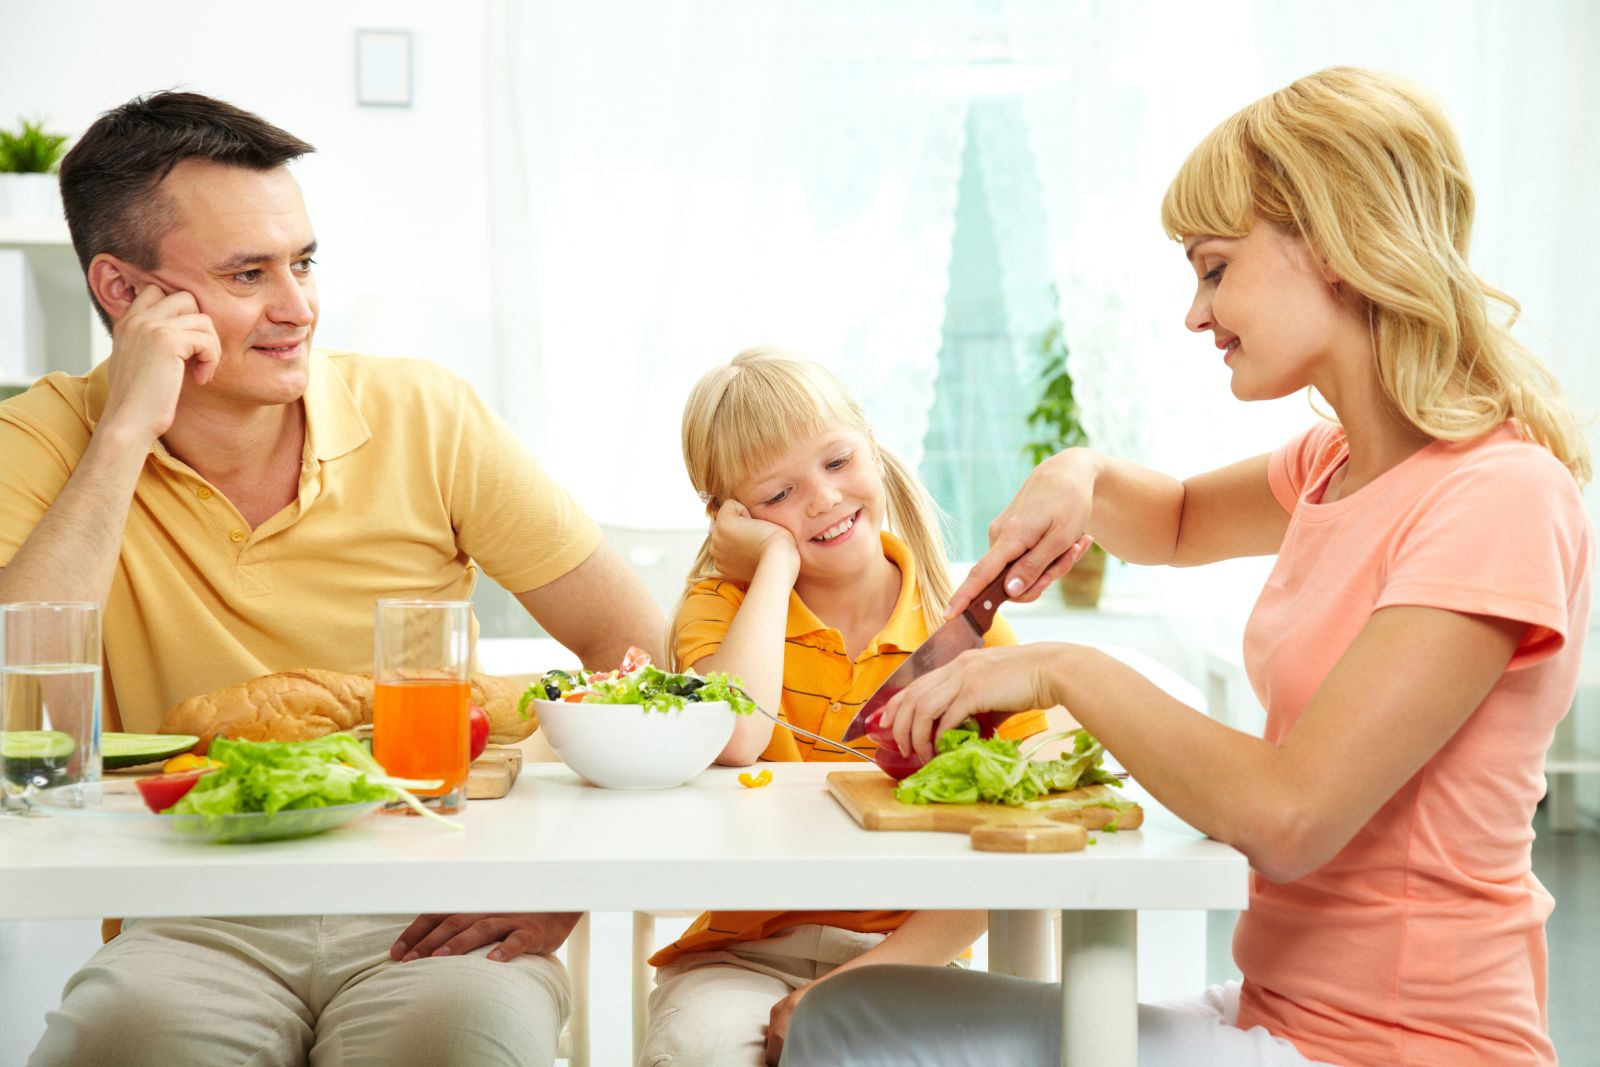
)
(971, 770)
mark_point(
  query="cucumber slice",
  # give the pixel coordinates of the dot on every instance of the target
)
(131, 750)
(21, 746)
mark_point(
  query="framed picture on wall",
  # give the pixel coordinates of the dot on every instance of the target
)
(383, 68)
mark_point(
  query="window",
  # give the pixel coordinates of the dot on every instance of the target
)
(998, 307)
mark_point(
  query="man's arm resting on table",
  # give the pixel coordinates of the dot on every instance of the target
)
(598, 609)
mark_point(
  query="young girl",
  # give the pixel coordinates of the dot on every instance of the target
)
(1418, 640)
(804, 592)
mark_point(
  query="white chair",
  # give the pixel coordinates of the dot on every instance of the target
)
(1568, 756)
(1228, 696)
(661, 557)
(573, 1045)
(504, 656)
(644, 945)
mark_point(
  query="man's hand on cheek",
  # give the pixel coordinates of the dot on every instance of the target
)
(156, 340)
(456, 935)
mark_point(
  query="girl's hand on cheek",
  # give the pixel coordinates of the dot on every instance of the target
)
(739, 542)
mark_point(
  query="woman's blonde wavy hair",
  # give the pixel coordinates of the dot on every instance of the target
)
(744, 416)
(1367, 170)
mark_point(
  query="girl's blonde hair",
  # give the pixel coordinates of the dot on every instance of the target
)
(1367, 170)
(744, 416)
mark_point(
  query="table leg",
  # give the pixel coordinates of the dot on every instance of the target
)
(1019, 944)
(1099, 989)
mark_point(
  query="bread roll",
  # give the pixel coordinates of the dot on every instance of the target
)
(301, 705)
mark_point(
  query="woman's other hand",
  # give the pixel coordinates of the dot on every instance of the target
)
(1006, 679)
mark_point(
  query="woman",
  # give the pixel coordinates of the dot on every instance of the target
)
(1418, 640)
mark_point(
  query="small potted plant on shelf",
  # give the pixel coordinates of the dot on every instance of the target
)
(28, 160)
(1055, 418)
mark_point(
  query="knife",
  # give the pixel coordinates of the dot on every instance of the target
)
(961, 633)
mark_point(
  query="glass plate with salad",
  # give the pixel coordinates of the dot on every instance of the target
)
(116, 805)
(259, 791)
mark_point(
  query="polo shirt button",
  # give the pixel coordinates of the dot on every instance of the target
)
(204, 492)
(237, 536)
(833, 709)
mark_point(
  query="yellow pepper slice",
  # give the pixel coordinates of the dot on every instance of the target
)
(756, 781)
(188, 761)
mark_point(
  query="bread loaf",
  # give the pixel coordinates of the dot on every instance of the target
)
(301, 705)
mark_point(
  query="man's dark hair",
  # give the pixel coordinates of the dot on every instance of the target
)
(109, 179)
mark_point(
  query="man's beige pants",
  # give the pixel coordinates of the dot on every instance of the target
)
(292, 991)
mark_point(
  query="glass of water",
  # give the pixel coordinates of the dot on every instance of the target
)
(49, 697)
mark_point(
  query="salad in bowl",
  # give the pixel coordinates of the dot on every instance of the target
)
(636, 727)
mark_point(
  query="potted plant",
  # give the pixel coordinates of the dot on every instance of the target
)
(1055, 418)
(28, 160)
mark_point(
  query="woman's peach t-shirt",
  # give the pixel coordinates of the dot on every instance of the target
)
(1422, 941)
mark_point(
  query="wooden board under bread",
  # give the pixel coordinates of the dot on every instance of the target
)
(491, 775)
(869, 798)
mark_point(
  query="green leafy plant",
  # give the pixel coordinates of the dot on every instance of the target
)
(32, 150)
(1056, 414)
(1055, 418)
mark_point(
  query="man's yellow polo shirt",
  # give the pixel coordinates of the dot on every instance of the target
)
(823, 688)
(408, 484)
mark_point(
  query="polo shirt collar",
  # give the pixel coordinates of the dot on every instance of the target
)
(334, 424)
(904, 630)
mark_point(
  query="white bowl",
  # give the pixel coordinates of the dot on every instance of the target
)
(622, 746)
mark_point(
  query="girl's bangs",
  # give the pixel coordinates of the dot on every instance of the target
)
(764, 413)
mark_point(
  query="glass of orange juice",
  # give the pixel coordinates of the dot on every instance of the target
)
(422, 661)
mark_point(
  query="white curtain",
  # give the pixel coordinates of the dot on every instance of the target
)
(673, 182)
(1149, 79)
(684, 180)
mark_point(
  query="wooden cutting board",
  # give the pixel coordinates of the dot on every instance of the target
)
(869, 798)
(490, 775)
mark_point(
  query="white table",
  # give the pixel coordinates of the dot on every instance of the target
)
(558, 844)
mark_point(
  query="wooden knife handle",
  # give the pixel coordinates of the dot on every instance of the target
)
(986, 603)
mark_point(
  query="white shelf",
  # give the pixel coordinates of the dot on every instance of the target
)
(74, 340)
(49, 233)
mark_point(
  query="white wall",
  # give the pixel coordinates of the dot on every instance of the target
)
(397, 195)
(36, 959)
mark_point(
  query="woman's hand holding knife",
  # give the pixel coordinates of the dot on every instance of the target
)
(1039, 535)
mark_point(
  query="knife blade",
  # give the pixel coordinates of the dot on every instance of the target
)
(961, 633)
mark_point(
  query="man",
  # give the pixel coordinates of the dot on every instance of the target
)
(237, 501)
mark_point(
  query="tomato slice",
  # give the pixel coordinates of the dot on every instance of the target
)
(634, 659)
(164, 790)
(575, 696)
